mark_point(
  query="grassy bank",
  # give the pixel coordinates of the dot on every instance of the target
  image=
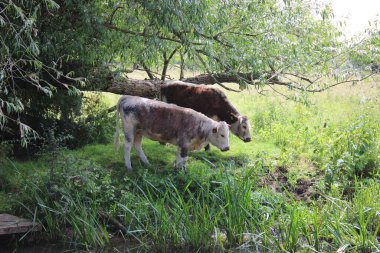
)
(309, 181)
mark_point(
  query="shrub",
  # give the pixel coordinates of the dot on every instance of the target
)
(350, 152)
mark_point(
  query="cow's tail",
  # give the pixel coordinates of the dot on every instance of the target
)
(117, 134)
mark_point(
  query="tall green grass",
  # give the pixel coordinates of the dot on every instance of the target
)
(237, 199)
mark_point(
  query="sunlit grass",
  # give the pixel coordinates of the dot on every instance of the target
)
(249, 197)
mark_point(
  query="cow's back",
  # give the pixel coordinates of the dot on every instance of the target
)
(200, 98)
(165, 122)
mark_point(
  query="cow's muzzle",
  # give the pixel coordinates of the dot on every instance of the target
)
(247, 139)
(225, 149)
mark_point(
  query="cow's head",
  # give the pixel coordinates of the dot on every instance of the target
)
(219, 136)
(241, 128)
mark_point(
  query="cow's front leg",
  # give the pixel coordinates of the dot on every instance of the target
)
(181, 158)
(127, 150)
(137, 143)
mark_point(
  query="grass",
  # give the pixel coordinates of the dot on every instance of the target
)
(309, 181)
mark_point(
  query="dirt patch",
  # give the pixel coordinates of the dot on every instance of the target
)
(304, 190)
(277, 180)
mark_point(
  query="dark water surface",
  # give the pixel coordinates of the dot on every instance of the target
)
(117, 245)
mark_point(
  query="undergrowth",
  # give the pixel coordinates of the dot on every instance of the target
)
(309, 181)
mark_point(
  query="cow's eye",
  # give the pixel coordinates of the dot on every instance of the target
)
(222, 135)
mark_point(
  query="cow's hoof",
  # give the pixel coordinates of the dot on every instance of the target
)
(180, 168)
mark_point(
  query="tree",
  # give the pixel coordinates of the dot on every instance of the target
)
(258, 43)
(56, 48)
(19, 60)
(48, 51)
(367, 53)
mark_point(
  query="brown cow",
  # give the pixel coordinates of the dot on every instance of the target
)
(183, 127)
(209, 101)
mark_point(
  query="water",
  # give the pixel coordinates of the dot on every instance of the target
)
(117, 245)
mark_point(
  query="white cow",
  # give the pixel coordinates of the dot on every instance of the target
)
(187, 129)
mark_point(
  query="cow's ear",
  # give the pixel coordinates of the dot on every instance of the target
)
(214, 130)
(233, 117)
(243, 118)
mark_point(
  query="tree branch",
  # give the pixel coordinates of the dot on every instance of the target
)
(213, 77)
(249, 34)
(300, 77)
(113, 13)
(216, 38)
(126, 31)
(141, 88)
(148, 71)
(222, 78)
(166, 62)
(291, 86)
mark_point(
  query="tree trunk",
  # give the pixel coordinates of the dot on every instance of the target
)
(166, 65)
(182, 67)
(142, 88)
(151, 88)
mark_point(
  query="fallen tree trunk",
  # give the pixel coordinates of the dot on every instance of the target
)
(151, 88)
(142, 88)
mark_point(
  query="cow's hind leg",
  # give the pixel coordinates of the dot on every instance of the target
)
(181, 158)
(127, 150)
(137, 143)
(129, 132)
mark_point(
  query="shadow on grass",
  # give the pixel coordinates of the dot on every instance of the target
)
(162, 158)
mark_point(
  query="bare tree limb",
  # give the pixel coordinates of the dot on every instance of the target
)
(276, 91)
(345, 81)
(326, 87)
(222, 78)
(148, 71)
(213, 77)
(300, 77)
